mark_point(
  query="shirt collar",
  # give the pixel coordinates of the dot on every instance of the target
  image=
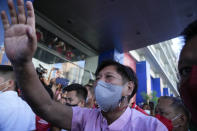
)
(121, 121)
(9, 92)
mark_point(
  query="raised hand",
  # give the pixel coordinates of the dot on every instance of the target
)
(19, 37)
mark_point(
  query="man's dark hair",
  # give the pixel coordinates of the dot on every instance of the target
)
(6, 67)
(81, 91)
(178, 105)
(126, 72)
(190, 31)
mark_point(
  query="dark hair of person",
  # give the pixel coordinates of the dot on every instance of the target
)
(16, 86)
(49, 90)
(145, 104)
(190, 31)
(178, 105)
(151, 104)
(81, 91)
(126, 72)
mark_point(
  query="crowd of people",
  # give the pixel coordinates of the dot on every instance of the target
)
(30, 102)
(51, 41)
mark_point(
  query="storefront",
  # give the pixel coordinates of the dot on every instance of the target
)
(52, 52)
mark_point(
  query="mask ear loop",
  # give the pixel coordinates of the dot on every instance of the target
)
(175, 119)
(5, 87)
(122, 99)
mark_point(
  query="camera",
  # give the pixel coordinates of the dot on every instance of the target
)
(40, 71)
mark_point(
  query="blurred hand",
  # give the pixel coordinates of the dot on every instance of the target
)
(19, 37)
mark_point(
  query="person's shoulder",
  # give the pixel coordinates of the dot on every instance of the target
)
(86, 110)
(145, 118)
(25, 106)
(9, 98)
(147, 121)
(9, 93)
(87, 113)
(138, 114)
(82, 115)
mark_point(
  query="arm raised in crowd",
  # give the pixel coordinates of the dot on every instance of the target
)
(20, 46)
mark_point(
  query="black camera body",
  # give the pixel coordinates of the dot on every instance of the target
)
(40, 71)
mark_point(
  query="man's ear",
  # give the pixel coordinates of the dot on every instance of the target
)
(82, 103)
(130, 86)
(10, 84)
(182, 121)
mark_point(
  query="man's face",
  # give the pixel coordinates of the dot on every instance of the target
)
(187, 58)
(109, 74)
(163, 108)
(70, 98)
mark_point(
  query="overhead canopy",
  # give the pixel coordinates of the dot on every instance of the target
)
(124, 24)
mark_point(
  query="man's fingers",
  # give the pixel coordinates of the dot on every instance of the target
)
(30, 33)
(30, 15)
(13, 15)
(32, 37)
(5, 21)
(21, 12)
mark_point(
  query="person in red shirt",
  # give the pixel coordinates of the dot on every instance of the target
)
(134, 106)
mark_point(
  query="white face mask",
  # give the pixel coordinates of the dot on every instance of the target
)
(147, 111)
(107, 95)
(3, 88)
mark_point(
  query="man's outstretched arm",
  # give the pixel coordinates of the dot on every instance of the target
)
(20, 45)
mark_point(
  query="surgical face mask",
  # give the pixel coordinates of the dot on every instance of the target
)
(165, 121)
(108, 96)
(147, 111)
(3, 88)
(175, 118)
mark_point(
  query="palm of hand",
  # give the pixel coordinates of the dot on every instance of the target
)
(20, 37)
(19, 47)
